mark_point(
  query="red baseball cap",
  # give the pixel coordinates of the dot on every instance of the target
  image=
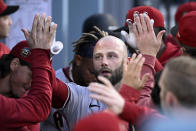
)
(102, 121)
(7, 9)
(187, 29)
(22, 51)
(183, 9)
(152, 12)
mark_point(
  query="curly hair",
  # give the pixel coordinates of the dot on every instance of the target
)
(89, 38)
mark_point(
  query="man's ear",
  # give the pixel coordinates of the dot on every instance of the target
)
(171, 100)
(78, 60)
(14, 64)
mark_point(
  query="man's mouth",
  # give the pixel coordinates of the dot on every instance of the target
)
(105, 72)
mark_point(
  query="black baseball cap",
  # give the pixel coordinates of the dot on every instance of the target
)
(105, 22)
(7, 9)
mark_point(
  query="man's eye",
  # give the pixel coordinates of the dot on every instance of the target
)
(111, 56)
(98, 57)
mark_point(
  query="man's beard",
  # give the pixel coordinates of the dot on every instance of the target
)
(116, 75)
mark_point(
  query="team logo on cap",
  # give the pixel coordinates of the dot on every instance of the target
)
(25, 52)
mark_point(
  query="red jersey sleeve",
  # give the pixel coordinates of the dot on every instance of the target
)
(34, 107)
(60, 94)
(139, 115)
(144, 98)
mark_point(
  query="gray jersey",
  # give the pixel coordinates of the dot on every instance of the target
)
(61, 76)
(80, 104)
(77, 106)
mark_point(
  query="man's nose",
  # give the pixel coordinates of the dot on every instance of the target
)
(10, 21)
(104, 61)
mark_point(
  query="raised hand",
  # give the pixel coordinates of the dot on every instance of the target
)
(147, 42)
(42, 34)
(131, 75)
(107, 94)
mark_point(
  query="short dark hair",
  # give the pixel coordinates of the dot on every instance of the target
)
(180, 79)
(189, 50)
(5, 61)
